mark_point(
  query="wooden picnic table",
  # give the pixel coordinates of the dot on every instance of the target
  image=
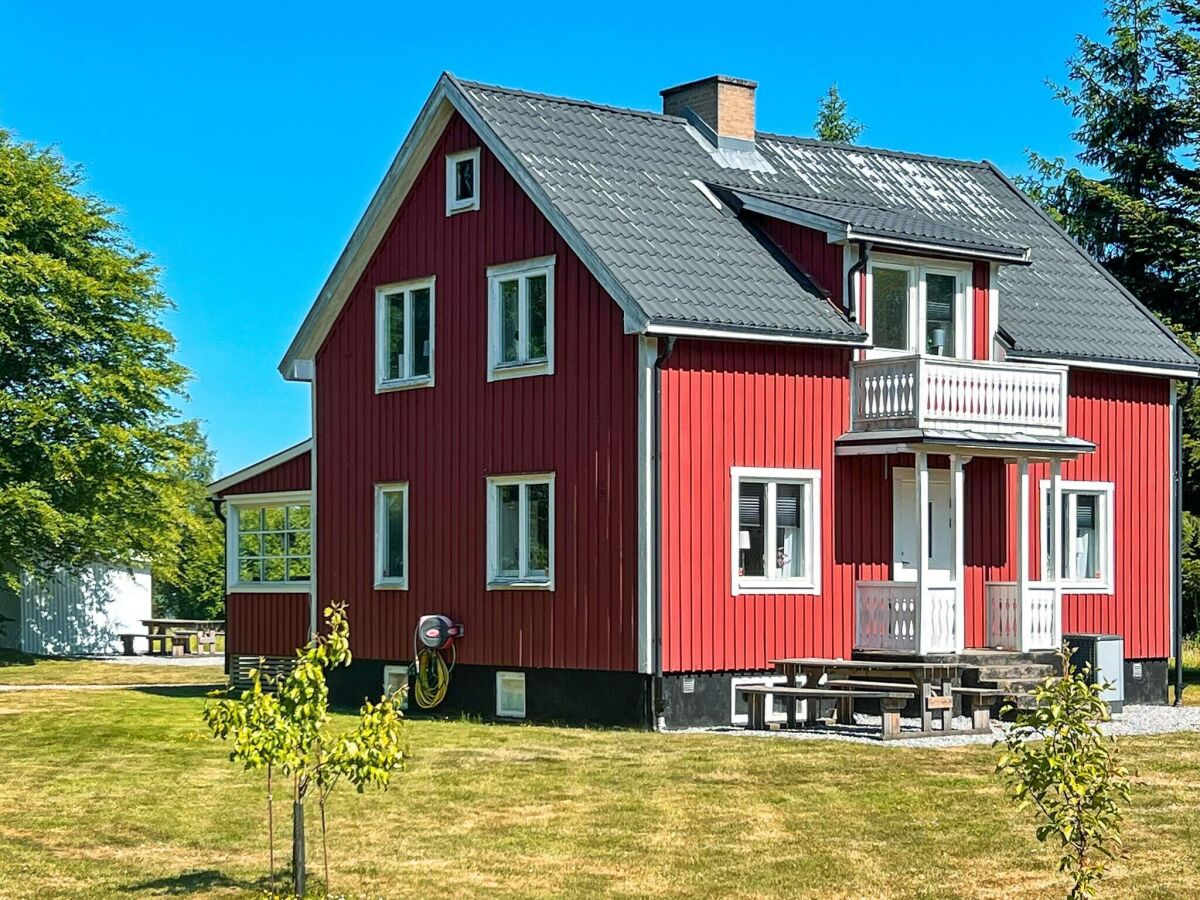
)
(204, 630)
(933, 681)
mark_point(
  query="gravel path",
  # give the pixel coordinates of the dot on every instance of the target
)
(13, 688)
(1133, 720)
(178, 662)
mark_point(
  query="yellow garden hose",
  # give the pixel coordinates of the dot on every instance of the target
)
(431, 676)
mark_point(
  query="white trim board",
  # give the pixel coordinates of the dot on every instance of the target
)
(259, 467)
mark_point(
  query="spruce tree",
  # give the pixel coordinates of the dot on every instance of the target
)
(832, 123)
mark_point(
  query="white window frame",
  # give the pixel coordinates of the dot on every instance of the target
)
(389, 582)
(1106, 530)
(495, 581)
(737, 718)
(522, 271)
(453, 204)
(512, 712)
(382, 292)
(917, 270)
(758, 584)
(233, 503)
(400, 669)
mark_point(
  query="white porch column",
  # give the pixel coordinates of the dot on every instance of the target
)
(922, 489)
(956, 519)
(1055, 555)
(1023, 549)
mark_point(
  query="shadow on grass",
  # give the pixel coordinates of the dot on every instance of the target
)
(204, 880)
(16, 658)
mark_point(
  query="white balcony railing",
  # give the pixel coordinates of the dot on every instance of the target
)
(902, 392)
(1037, 626)
(888, 615)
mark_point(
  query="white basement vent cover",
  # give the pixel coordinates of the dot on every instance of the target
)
(510, 694)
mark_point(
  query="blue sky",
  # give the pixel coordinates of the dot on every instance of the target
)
(241, 142)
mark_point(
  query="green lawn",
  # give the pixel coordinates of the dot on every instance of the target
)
(21, 668)
(123, 793)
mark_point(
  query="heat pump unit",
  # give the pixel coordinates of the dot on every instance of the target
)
(1105, 654)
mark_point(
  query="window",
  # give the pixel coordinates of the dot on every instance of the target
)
(521, 319)
(521, 532)
(919, 308)
(1087, 553)
(462, 181)
(776, 541)
(270, 542)
(510, 694)
(391, 535)
(395, 678)
(776, 707)
(404, 334)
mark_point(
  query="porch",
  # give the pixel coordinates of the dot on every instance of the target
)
(943, 413)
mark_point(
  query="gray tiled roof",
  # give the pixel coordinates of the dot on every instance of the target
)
(897, 224)
(628, 181)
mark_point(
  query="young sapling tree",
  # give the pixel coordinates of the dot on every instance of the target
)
(1057, 762)
(286, 727)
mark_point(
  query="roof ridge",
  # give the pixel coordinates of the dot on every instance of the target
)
(881, 151)
(663, 117)
(572, 101)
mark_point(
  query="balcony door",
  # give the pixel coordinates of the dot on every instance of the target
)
(919, 308)
(904, 526)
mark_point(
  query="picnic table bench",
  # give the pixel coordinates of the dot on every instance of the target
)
(166, 643)
(982, 701)
(891, 701)
(928, 682)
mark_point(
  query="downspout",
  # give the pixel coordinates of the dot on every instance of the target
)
(666, 347)
(1176, 555)
(860, 266)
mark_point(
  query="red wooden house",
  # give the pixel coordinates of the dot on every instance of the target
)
(647, 400)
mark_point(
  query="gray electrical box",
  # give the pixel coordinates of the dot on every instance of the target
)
(1105, 654)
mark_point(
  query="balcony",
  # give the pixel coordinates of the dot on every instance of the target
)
(901, 393)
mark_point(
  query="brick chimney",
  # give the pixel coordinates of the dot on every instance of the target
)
(725, 104)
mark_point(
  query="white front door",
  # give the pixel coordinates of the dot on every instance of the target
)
(904, 526)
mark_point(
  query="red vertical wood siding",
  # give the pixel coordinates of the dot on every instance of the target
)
(741, 404)
(811, 251)
(580, 422)
(981, 339)
(266, 624)
(293, 475)
(1127, 417)
(727, 404)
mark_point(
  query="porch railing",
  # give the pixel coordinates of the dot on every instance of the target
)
(1037, 626)
(900, 392)
(886, 617)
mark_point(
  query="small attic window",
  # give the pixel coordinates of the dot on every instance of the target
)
(462, 181)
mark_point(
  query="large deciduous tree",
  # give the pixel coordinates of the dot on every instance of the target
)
(94, 459)
(189, 578)
(1133, 198)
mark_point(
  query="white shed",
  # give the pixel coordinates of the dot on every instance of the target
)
(75, 614)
